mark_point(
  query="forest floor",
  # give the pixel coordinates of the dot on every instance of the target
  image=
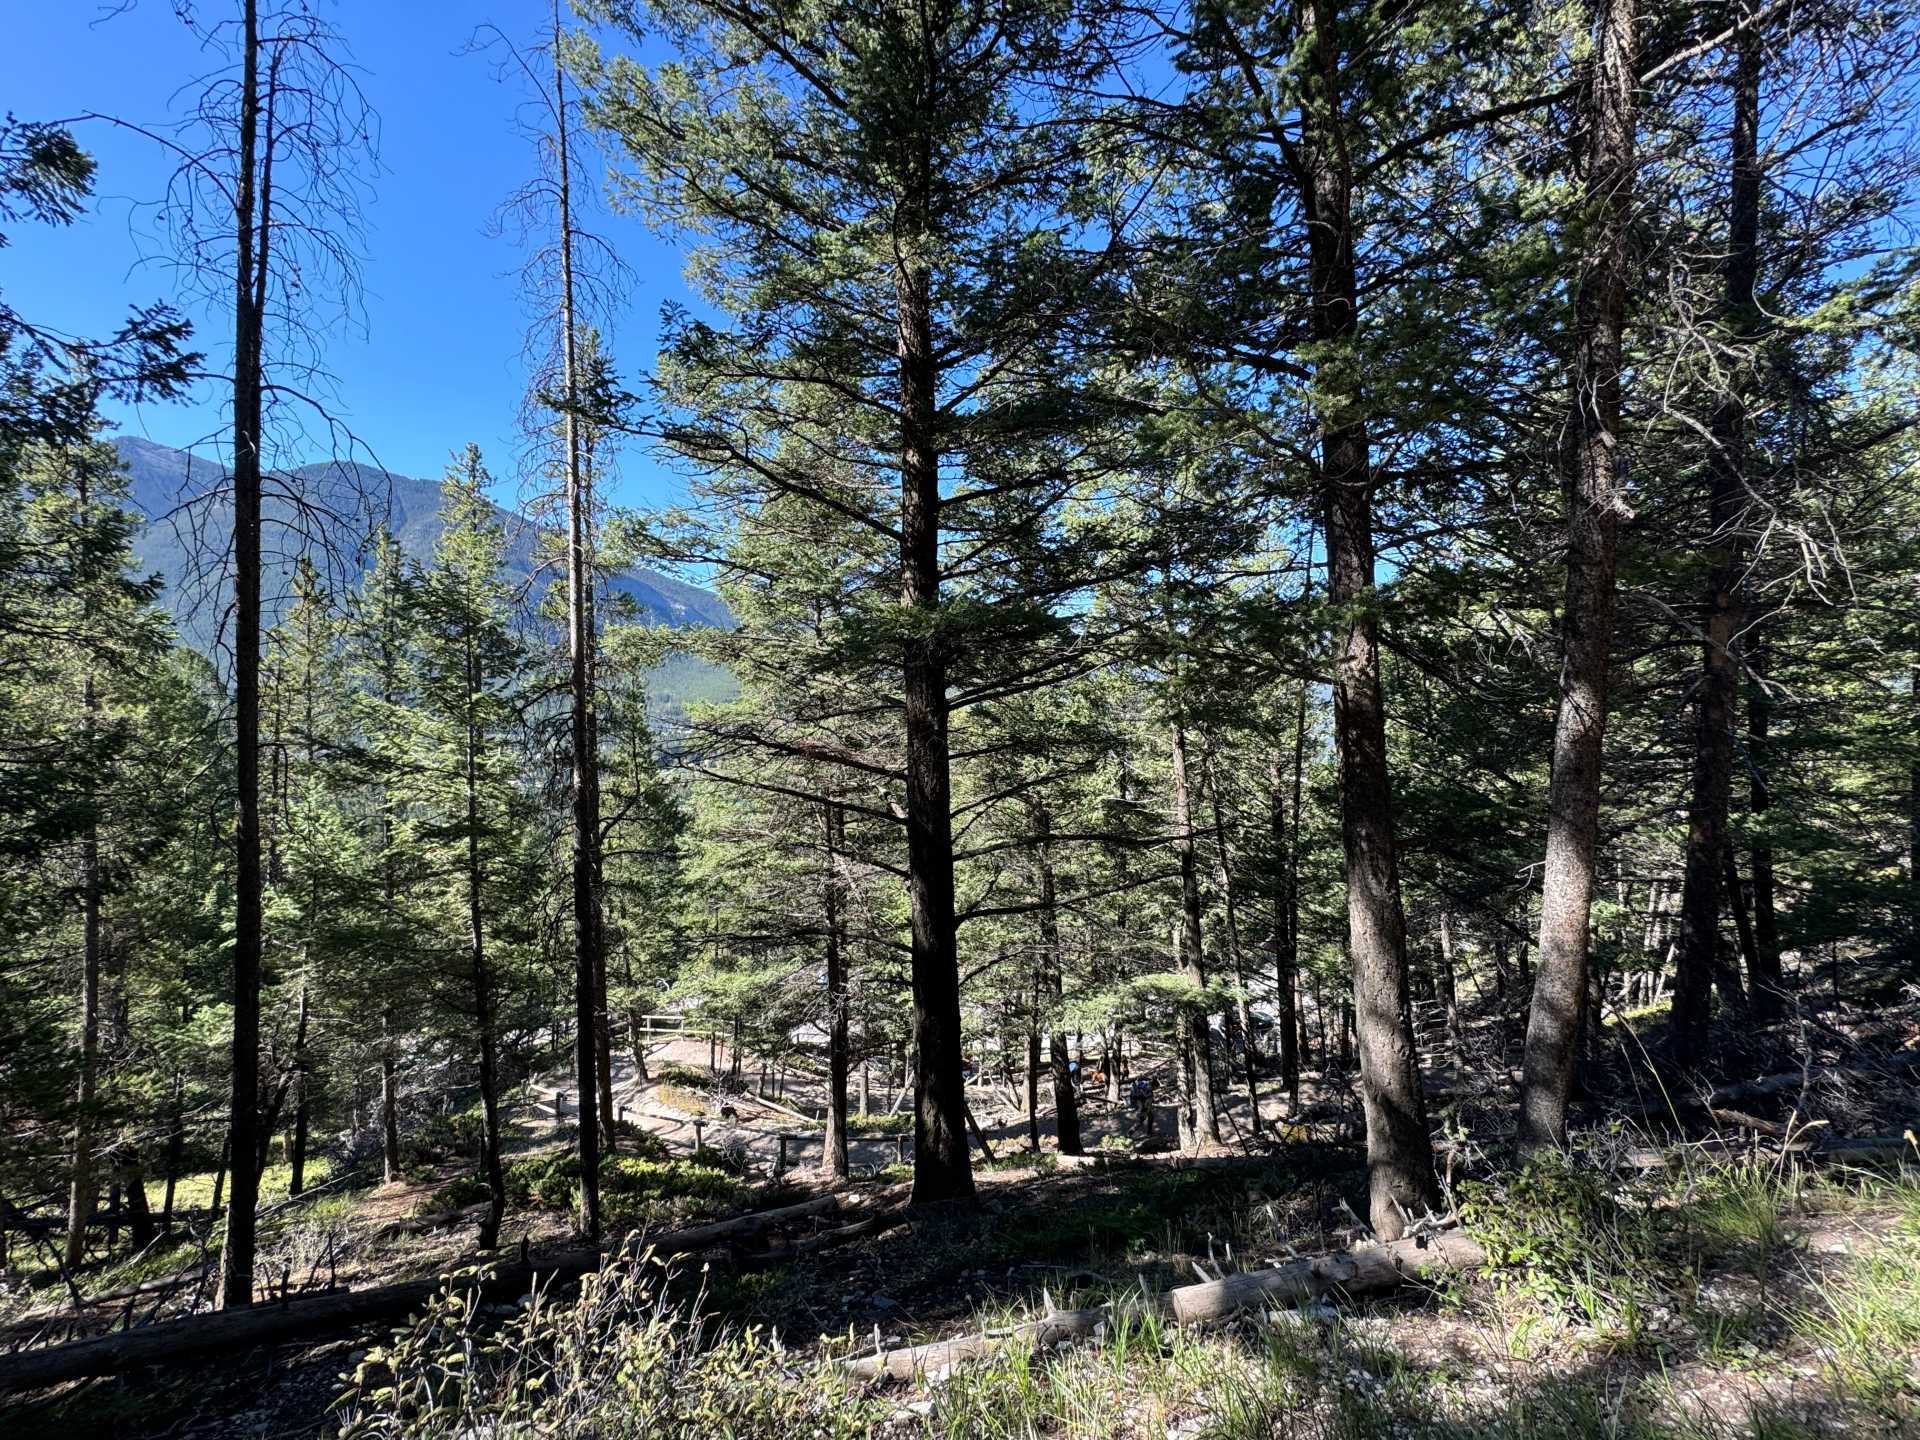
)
(1729, 1294)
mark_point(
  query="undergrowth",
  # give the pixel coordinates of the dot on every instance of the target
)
(1606, 1314)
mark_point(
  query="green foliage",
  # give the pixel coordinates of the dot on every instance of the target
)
(1563, 1239)
(634, 1189)
(624, 1360)
(684, 1077)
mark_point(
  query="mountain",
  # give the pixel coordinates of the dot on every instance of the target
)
(329, 512)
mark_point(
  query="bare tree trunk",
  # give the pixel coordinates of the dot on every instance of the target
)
(1913, 820)
(1742, 922)
(297, 1147)
(586, 824)
(483, 981)
(1723, 607)
(252, 221)
(1199, 1115)
(1401, 1179)
(1242, 1010)
(1449, 992)
(389, 1105)
(133, 1183)
(1769, 982)
(176, 1147)
(1066, 1100)
(1033, 1067)
(833, 1159)
(1594, 505)
(80, 1194)
(1286, 957)
(942, 1168)
(220, 1173)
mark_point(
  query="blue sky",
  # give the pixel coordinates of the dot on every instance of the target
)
(441, 360)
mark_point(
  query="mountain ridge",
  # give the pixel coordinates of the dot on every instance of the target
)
(186, 515)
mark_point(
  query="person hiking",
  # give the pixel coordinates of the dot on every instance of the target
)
(1140, 1105)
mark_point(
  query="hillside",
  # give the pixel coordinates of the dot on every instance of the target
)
(188, 519)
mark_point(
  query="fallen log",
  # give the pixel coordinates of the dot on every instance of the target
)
(1367, 1270)
(1729, 1096)
(440, 1220)
(227, 1331)
(272, 1322)
(1172, 1159)
(1806, 1145)
(828, 1239)
(741, 1227)
(1355, 1272)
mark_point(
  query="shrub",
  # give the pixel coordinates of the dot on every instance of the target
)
(634, 1189)
(688, 1077)
(887, 1125)
(457, 1194)
(621, 1360)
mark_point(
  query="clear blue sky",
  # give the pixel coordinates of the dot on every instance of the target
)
(441, 360)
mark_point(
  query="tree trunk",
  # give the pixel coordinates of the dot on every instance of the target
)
(80, 1192)
(1066, 1099)
(942, 1168)
(1242, 1010)
(1595, 502)
(483, 986)
(1723, 607)
(176, 1147)
(1401, 1180)
(833, 1159)
(1742, 923)
(586, 824)
(252, 220)
(1199, 1115)
(133, 1181)
(1449, 992)
(389, 1105)
(297, 1146)
(1768, 980)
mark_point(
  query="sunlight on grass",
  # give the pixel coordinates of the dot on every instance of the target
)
(195, 1192)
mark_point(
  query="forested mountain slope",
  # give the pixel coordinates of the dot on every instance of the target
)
(182, 497)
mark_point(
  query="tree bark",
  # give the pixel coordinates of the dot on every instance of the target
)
(1242, 1009)
(1595, 502)
(389, 1105)
(1066, 1100)
(297, 1146)
(586, 824)
(1401, 1180)
(1768, 981)
(1449, 991)
(942, 1168)
(1199, 1114)
(833, 1159)
(1742, 923)
(133, 1183)
(80, 1194)
(1285, 955)
(1723, 606)
(483, 981)
(252, 212)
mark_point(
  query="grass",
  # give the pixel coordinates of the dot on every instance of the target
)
(1865, 1324)
(875, 1125)
(195, 1192)
(687, 1101)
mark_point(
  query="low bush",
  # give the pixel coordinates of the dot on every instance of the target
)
(634, 1189)
(624, 1359)
(687, 1077)
(880, 1125)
